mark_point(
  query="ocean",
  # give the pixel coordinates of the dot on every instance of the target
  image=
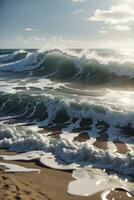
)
(74, 107)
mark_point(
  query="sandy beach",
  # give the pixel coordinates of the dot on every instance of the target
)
(49, 184)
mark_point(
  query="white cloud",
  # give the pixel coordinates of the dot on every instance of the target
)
(19, 38)
(31, 29)
(77, 0)
(38, 38)
(130, 40)
(28, 29)
(33, 38)
(117, 14)
(122, 28)
(103, 31)
(78, 11)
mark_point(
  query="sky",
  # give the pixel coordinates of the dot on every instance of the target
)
(66, 24)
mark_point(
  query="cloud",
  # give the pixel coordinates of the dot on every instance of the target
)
(78, 11)
(103, 31)
(28, 29)
(31, 29)
(117, 14)
(77, 1)
(33, 38)
(38, 38)
(19, 37)
(122, 28)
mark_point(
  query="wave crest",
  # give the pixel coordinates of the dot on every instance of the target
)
(89, 66)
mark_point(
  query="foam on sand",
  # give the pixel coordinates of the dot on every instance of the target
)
(90, 181)
(105, 194)
(46, 159)
(20, 139)
(51, 161)
(17, 168)
(32, 155)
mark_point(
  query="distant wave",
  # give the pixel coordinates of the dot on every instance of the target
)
(12, 57)
(69, 65)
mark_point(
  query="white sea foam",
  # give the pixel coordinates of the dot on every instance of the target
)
(90, 181)
(17, 168)
(49, 160)
(105, 194)
(32, 155)
(24, 140)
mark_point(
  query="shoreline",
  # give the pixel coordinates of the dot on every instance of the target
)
(49, 184)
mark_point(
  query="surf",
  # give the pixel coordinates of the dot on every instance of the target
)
(89, 67)
(69, 110)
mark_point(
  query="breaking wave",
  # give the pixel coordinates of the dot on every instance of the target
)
(47, 110)
(90, 66)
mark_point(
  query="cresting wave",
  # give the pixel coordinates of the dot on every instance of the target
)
(45, 110)
(88, 66)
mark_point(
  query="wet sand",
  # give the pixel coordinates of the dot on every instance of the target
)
(49, 184)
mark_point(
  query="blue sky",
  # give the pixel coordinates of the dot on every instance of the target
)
(66, 23)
